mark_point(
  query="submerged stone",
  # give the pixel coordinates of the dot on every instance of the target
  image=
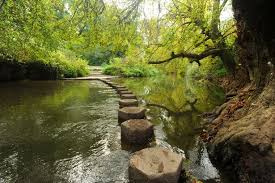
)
(155, 165)
(127, 113)
(137, 131)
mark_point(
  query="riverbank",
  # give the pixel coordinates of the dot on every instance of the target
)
(243, 131)
(55, 68)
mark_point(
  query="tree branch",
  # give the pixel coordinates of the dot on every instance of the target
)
(213, 52)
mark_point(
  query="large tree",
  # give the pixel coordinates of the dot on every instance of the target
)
(197, 31)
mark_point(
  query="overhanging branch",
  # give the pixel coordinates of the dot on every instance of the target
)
(213, 52)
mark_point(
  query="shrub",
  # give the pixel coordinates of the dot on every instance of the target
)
(129, 69)
(112, 70)
(56, 65)
(68, 64)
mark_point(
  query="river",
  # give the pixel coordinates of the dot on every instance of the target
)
(67, 131)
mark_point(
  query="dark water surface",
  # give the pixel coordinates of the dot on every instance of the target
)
(60, 131)
(66, 131)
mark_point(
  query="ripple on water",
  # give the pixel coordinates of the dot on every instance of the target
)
(61, 132)
(104, 169)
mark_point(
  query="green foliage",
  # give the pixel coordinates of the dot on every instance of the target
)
(57, 65)
(93, 30)
(221, 72)
(69, 64)
(125, 68)
(34, 36)
(210, 67)
(37, 32)
(190, 26)
(100, 55)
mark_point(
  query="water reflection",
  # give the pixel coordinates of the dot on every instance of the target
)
(175, 106)
(60, 132)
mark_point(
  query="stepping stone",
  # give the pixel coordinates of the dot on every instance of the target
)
(155, 165)
(128, 103)
(125, 92)
(137, 131)
(128, 96)
(119, 87)
(122, 89)
(127, 113)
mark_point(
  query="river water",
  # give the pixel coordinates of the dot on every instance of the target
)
(66, 131)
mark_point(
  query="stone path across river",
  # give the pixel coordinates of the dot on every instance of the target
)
(165, 165)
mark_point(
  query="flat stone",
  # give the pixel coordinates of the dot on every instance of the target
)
(137, 131)
(155, 165)
(120, 87)
(127, 113)
(128, 103)
(128, 96)
(125, 92)
(121, 90)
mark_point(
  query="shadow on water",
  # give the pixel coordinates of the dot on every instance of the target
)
(175, 106)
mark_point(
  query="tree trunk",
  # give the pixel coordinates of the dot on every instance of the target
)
(255, 38)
